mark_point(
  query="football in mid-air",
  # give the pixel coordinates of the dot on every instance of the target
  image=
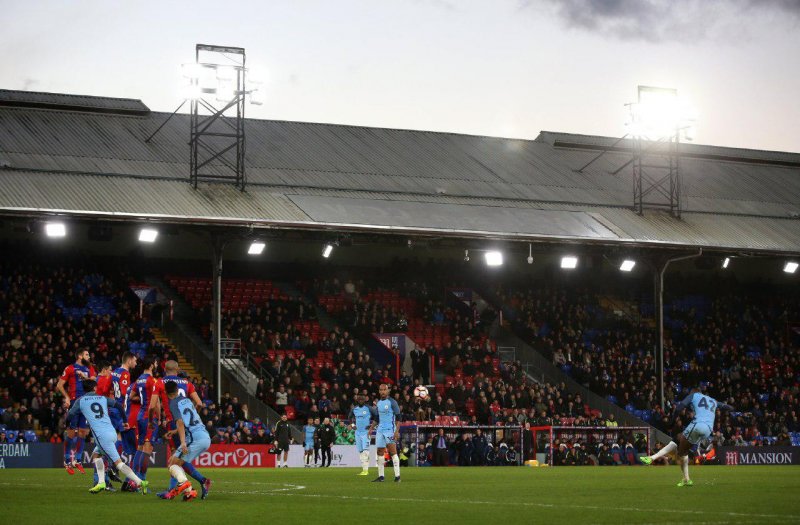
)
(421, 392)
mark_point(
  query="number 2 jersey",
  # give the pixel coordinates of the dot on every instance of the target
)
(183, 408)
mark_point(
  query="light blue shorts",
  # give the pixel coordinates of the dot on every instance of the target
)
(694, 432)
(308, 446)
(106, 445)
(383, 438)
(362, 441)
(196, 447)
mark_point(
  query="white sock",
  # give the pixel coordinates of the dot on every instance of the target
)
(684, 461)
(381, 464)
(280, 461)
(365, 460)
(125, 469)
(178, 473)
(671, 447)
(396, 465)
(100, 467)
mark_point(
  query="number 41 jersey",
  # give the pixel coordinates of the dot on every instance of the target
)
(183, 408)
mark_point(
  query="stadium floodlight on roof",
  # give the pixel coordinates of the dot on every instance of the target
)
(627, 265)
(569, 262)
(148, 235)
(494, 258)
(726, 262)
(256, 248)
(328, 250)
(790, 267)
(55, 229)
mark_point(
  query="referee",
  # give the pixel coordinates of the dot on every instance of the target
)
(282, 439)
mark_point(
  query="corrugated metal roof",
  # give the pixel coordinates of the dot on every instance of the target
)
(35, 99)
(304, 173)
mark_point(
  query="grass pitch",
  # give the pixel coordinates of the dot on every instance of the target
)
(757, 494)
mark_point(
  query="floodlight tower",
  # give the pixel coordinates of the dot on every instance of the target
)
(657, 122)
(217, 93)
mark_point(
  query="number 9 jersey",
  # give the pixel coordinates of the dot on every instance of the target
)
(94, 408)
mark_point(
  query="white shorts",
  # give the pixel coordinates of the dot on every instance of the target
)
(694, 432)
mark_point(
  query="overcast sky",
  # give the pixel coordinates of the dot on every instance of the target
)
(492, 67)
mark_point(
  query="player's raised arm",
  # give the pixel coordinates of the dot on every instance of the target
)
(687, 401)
(724, 406)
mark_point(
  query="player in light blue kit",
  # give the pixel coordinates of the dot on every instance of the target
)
(95, 409)
(308, 444)
(362, 417)
(701, 427)
(388, 432)
(194, 440)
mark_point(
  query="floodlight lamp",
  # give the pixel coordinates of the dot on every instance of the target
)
(192, 92)
(226, 90)
(726, 262)
(148, 235)
(494, 258)
(530, 254)
(226, 73)
(660, 113)
(328, 250)
(569, 262)
(55, 229)
(790, 267)
(466, 255)
(256, 248)
(192, 70)
(627, 265)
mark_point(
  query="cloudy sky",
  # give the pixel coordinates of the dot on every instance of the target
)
(490, 67)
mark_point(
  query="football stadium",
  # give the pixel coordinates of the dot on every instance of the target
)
(234, 319)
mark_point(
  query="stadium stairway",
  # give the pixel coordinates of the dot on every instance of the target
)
(184, 363)
(182, 331)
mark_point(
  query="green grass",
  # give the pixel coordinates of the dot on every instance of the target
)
(756, 494)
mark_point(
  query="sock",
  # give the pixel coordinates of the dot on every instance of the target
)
(380, 466)
(125, 469)
(671, 447)
(396, 465)
(684, 461)
(177, 474)
(79, 449)
(99, 470)
(172, 482)
(280, 460)
(68, 441)
(193, 472)
(136, 462)
(365, 460)
(144, 462)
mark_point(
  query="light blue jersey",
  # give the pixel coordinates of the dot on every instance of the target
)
(705, 411)
(308, 431)
(388, 414)
(95, 410)
(362, 416)
(183, 408)
(197, 438)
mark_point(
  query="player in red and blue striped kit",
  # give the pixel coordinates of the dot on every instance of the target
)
(77, 427)
(121, 377)
(160, 401)
(146, 429)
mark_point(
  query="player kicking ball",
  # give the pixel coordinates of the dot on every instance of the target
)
(388, 432)
(94, 409)
(705, 411)
(194, 441)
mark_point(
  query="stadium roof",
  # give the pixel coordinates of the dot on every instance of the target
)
(87, 156)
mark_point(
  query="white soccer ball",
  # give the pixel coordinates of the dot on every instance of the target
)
(421, 392)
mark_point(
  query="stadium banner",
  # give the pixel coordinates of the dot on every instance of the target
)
(759, 455)
(341, 456)
(236, 456)
(51, 455)
(382, 348)
(31, 455)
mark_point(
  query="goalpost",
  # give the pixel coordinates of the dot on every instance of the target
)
(549, 439)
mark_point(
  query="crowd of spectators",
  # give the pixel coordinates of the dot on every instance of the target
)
(733, 343)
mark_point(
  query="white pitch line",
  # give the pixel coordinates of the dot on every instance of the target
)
(523, 504)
